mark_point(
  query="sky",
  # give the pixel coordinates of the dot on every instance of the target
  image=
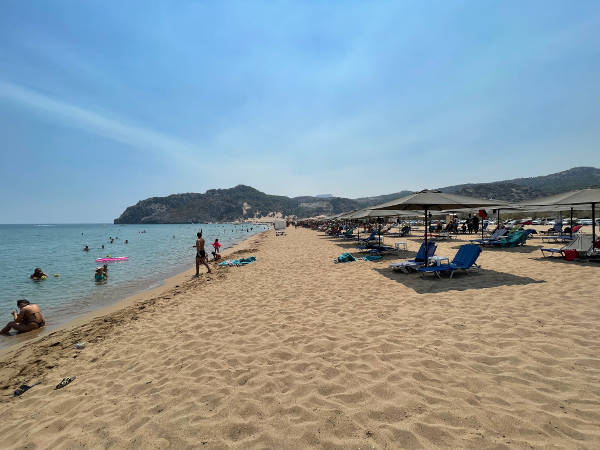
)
(105, 103)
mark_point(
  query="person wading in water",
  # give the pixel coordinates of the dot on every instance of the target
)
(200, 254)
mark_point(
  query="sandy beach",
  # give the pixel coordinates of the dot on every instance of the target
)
(295, 351)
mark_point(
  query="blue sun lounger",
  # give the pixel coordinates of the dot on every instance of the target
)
(412, 264)
(463, 260)
(372, 237)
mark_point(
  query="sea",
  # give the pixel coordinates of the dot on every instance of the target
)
(156, 252)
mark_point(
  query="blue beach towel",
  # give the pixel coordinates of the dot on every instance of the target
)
(238, 262)
(372, 257)
(344, 257)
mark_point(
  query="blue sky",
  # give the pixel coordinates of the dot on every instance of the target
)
(104, 103)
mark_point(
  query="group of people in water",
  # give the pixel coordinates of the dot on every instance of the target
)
(111, 240)
(30, 317)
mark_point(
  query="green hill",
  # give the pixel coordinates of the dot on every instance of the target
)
(245, 202)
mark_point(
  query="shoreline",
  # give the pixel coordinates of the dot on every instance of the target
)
(165, 286)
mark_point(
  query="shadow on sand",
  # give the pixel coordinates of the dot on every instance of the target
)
(519, 249)
(589, 262)
(431, 284)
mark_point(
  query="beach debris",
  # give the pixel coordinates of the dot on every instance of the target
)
(65, 382)
(80, 345)
(24, 388)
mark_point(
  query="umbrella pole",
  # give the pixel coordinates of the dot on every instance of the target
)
(481, 225)
(571, 224)
(379, 231)
(498, 218)
(593, 224)
(426, 230)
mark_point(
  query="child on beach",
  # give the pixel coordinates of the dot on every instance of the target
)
(216, 252)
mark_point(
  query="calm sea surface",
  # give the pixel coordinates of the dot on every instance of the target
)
(155, 253)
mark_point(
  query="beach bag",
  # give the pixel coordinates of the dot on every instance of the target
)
(344, 257)
(570, 255)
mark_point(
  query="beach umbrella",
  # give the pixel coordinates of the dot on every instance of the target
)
(368, 213)
(571, 199)
(433, 200)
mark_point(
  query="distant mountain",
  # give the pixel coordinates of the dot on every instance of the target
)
(245, 202)
(520, 189)
(223, 205)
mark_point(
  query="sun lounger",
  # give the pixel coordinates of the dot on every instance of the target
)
(420, 258)
(372, 237)
(348, 234)
(512, 240)
(442, 236)
(582, 243)
(494, 237)
(556, 229)
(562, 237)
(464, 260)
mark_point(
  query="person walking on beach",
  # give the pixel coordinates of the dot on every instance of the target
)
(28, 319)
(200, 254)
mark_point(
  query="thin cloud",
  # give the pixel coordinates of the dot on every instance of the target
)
(118, 130)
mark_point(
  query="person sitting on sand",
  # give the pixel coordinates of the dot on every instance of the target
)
(29, 318)
(38, 274)
(99, 275)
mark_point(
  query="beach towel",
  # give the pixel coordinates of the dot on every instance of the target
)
(372, 257)
(344, 257)
(238, 262)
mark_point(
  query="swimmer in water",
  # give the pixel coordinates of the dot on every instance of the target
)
(38, 274)
(99, 275)
(86, 249)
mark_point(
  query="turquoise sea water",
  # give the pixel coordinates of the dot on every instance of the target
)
(155, 253)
